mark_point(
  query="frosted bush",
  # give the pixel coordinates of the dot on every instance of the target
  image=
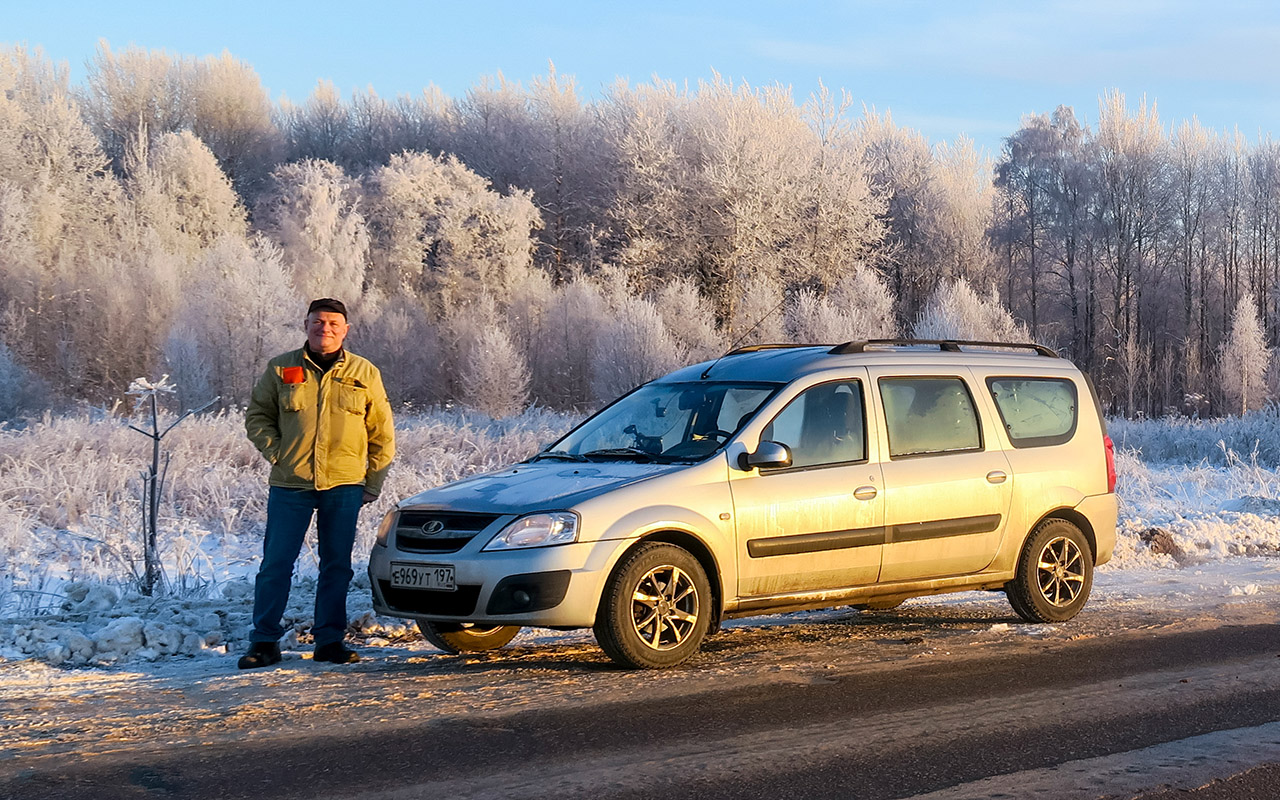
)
(956, 311)
(758, 316)
(867, 302)
(21, 391)
(1252, 438)
(810, 319)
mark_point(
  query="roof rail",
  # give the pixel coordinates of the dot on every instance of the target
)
(755, 348)
(948, 345)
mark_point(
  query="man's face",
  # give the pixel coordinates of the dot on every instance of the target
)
(325, 331)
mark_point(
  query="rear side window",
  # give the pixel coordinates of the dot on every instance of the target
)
(928, 416)
(1037, 412)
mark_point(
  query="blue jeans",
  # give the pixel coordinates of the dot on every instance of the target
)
(288, 517)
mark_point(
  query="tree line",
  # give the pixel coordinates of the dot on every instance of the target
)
(521, 244)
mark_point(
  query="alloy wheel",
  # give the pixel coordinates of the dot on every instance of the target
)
(664, 607)
(1060, 571)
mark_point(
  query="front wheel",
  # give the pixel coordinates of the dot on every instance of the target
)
(463, 637)
(655, 609)
(1055, 573)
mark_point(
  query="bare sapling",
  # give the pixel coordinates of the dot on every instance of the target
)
(146, 398)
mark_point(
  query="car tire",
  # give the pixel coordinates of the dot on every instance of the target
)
(1055, 573)
(461, 637)
(656, 608)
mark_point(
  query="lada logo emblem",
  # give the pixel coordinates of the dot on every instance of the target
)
(432, 527)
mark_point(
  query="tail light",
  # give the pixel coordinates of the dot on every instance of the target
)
(1111, 463)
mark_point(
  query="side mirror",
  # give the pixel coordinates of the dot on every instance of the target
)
(768, 454)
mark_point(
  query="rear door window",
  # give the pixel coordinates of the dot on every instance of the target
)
(929, 416)
(1037, 412)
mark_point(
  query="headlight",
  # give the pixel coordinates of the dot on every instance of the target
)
(388, 522)
(537, 530)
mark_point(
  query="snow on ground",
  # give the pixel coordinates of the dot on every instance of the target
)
(1191, 536)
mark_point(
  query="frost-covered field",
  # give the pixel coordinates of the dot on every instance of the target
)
(1197, 518)
(70, 529)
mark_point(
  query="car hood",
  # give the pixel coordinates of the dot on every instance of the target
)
(536, 487)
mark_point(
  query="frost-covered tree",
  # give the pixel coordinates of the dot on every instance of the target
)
(461, 330)
(494, 377)
(842, 223)
(440, 232)
(238, 312)
(231, 113)
(396, 334)
(656, 192)
(631, 347)
(956, 311)
(900, 164)
(318, 129)
(182, 196)
(545, 141)
(562, 352)
(812, 319)
(134, 95)
(962, 215)
(751, 168)
(311, 210)
(1244, 359)
(689, 319)
(860, 307)
(75, 286)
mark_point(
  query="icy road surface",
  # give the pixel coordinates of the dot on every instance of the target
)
(872, 683)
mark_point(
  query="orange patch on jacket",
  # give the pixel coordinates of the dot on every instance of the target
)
(293, 375)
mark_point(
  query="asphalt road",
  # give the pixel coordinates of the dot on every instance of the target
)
(1123, 716)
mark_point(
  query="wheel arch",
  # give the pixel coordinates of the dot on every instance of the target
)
(1075, 518)
(699, 550)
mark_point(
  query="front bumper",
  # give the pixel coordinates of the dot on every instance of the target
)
(557, 586)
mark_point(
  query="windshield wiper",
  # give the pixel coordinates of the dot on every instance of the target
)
(628, 452)
(560, 454)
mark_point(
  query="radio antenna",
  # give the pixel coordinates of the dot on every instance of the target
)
(739, 340)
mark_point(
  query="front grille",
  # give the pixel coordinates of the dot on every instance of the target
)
(438, 531)
(460, 603)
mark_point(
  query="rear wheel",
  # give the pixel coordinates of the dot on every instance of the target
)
(464, 637)
(1055, 573)
(655, 609)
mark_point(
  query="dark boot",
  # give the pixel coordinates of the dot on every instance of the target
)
(335, 653)
(261, 654)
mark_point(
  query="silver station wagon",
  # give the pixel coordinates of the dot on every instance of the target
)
(775, 478)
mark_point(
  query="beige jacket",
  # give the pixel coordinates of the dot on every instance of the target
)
(322, 429)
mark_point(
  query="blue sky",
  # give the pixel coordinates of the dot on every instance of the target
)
(944, 68)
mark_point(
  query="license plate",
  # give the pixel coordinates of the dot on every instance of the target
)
(422, 576)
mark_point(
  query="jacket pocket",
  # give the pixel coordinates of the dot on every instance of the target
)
(292, 398)
(353, 399)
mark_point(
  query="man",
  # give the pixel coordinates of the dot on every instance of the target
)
(320, 415)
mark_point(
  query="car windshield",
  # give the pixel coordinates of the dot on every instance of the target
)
(664, 422)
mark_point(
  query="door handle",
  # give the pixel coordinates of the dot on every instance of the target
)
(996, 476)
(865, 492)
